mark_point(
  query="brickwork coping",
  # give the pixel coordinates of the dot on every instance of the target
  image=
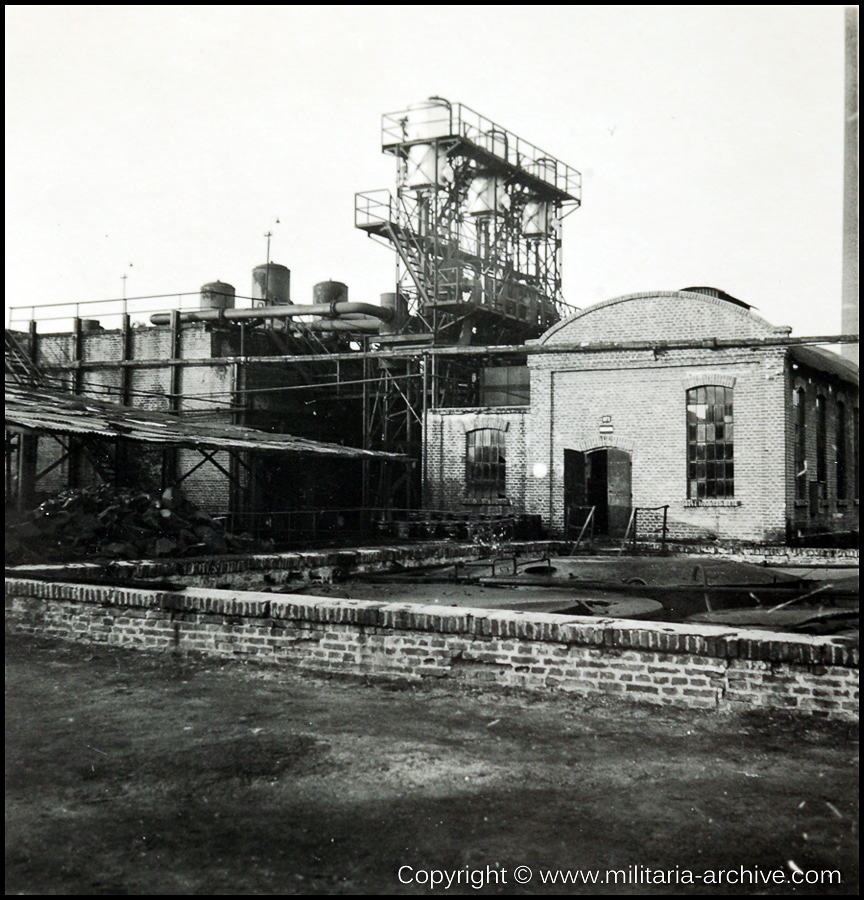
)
(371, 559)
(708, 641)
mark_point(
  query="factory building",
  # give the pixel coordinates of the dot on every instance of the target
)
(681, 414)
(684, 406)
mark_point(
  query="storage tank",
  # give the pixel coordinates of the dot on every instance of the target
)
(427, 166)
(217, 295)
(329, 292)
(486, 196)
(430, 119)
(271, 285)
(538, 218)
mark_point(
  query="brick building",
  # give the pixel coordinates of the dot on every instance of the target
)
(750, 442)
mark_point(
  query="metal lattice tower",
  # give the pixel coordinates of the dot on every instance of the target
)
(476, 224)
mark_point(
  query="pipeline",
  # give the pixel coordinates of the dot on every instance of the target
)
(329, 310)
(366, 324)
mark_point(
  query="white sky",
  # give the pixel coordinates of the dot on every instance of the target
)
(710, 139)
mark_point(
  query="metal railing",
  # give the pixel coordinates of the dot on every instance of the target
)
(300, 526)
(58, 317)
(458, 120)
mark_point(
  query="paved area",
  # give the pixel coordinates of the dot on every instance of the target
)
(130, 773)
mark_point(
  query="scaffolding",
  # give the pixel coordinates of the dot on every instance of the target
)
(475, 223)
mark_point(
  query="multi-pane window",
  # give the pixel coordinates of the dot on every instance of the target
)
(841, 451)
(799, 399)
(821, 440)
(710, 441)
(485, 464)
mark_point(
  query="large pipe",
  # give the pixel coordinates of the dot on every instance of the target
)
(328, 310)
(366, 324)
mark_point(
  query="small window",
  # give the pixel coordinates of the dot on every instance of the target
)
(710, 443)
(485, 464)
(799, 399)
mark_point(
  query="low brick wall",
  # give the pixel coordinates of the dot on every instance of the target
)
(302, 566)
(682, 665)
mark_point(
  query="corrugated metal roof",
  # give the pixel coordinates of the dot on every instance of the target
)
(35, 409)
(826, 361)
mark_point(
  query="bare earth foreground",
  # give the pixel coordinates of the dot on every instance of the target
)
(130, 773)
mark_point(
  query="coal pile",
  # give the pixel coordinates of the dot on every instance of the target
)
(121, 524)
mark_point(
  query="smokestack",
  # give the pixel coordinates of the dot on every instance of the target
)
(850, 188)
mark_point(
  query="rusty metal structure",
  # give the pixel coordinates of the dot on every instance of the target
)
(475, 223)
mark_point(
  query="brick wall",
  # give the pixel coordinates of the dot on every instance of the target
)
(635, 401)
(678, 665)
(834, 513)
(638, 404)
(447, 431)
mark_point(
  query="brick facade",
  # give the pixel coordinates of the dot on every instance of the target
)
(634, 401)
(447, 436)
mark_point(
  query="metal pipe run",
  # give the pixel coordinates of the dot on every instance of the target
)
(328, 310)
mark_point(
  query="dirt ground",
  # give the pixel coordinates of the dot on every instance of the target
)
(130, 773)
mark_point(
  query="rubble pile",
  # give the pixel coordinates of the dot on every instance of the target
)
(121, 524)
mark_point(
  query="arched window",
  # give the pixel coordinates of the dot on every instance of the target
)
(485, 464)
(710, 442)
(799, 399)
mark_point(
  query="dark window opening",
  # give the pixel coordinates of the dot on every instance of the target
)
(842, 485)
(710, 443)
(821, 440)
(485, 465)
(799, 399)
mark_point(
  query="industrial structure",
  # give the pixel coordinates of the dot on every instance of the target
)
(475, 223)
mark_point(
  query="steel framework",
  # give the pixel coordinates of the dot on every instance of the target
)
(475, 223)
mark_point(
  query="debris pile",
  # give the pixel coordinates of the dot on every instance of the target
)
(121, 524)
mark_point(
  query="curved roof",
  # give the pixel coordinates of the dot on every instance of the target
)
(661, 315)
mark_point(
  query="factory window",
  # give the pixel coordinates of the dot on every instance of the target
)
(841, 452)
(799, 399)
(710, 441)
(821, 440)
(485, 464)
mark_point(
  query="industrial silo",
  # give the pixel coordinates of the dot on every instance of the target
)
(271, 285)
(217, 295)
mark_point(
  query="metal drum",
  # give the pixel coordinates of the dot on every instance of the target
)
(329, 292)
(217, 295)
(271, 285)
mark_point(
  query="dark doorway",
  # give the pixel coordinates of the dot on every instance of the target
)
(599, 478)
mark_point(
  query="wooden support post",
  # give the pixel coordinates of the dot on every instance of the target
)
(28, 452)
(125, 356)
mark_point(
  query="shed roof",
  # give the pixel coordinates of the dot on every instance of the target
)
(53, 412)
(826, 361)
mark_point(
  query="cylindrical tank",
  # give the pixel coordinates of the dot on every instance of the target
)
(399, 304)
(427, 166)
(217, 295)
(271, 285)
(429, 119)
(90, 325)
(486, 196)
(329, 291)
(537, 218)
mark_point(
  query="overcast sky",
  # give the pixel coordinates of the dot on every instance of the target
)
(162, 142)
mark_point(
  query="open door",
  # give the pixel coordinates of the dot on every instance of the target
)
(600, 478)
